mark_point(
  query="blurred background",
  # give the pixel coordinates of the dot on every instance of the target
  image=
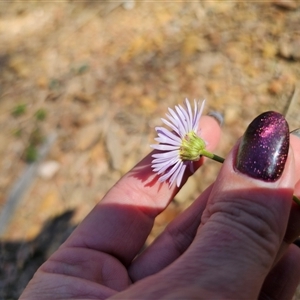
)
(83, 85)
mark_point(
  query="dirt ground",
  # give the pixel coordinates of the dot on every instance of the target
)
(83, 85)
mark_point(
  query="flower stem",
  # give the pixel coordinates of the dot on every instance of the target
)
(221, 160)
(212, 156)
(296, 199)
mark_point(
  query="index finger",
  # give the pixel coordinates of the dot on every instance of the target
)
(120, 224)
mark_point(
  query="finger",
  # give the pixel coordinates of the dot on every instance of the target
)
(246, 215)
(295, 143)
(282, 281)
(178, 234)
(121, 222)
(293, 227)
(243, 223)
(173, 241)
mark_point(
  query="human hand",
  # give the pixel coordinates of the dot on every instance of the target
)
(224, 245)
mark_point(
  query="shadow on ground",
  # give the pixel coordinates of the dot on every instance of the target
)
(19, 260)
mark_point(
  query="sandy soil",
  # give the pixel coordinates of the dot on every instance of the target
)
(98, 76)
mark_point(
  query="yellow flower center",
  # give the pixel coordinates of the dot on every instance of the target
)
(192, 147)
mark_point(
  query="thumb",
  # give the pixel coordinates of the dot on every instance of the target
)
(242, 225)
(247, 212)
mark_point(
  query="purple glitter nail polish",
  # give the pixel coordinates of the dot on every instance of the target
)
(264, 147)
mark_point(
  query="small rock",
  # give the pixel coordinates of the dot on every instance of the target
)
(83, 97)
(129, 4)
(290, 49)
(232, 114)
(285, 50)
(287, 4)
(48, 169)
(275, 87)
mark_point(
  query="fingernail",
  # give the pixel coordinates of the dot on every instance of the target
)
(264, 147)
(296, 132)
(217, 116)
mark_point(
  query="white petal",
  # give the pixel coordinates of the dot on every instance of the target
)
(195, 114)
(180, 175)
(189, 121)
(172, 126)
(176, 120)
(171, 171)
(171, 160)
(166, 140)
(165, 154)
(173, 118)
(163, 167)
(198, 115)
(176, 172)
(189, 108)
(171, 135)
(182, 119)
(165, 159)
(164, 147)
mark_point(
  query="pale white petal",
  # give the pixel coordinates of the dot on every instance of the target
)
(164, 147)
(163, 131)
(176, 172)
(182, 119)
(176, 121)
(188, 105)
(180, 175)
(165, 166)
(165, 159)
(172, 126)
(158, 161)
(180, 128)
(188, 120)
(166, 140)
(197, 116)
(165, 154)
(170, 172)
(196, 113)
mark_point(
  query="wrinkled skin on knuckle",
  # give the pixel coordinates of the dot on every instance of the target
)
(247, 223)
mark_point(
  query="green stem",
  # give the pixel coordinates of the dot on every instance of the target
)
(221, 160)
(296, 199)
(212, 156)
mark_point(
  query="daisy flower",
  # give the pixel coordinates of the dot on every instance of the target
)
(179, 148)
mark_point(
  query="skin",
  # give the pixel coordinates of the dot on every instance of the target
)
(233, 242)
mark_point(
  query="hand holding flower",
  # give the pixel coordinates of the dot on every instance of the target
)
(184, 146)
(233, 242)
